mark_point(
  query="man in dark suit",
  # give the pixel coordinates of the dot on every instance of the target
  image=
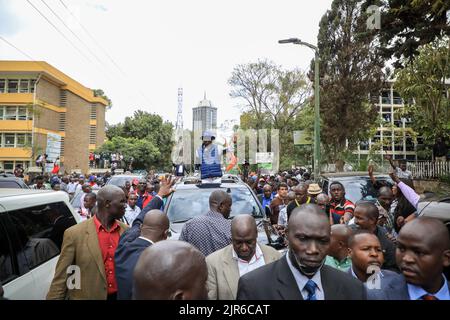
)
(366, 255)
(154, 228)
(366, 218)
(423, 251)
(301, 273)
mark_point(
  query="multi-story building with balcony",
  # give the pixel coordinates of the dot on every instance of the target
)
(393, 134)
(37, 99)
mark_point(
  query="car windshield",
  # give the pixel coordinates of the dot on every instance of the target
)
(361, 188)
(120, 180)
(187, 204)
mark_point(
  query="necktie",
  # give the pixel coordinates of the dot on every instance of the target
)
(310, 287)
(428, 297)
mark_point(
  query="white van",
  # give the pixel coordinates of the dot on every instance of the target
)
(32, 225)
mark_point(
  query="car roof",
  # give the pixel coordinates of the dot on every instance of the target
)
(126, 176)
(348, 175)
(182, 186)
(16, 199)
(8, 192)
(435, 209)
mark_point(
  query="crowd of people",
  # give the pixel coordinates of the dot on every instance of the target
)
(335, 249)
(114, 160)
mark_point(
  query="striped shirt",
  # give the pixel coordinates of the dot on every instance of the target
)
(342, 207)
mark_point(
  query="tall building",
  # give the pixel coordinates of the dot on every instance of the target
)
(392, 136)
(38, 102)
(204, 116)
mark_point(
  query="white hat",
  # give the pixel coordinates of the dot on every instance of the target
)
(208, 136)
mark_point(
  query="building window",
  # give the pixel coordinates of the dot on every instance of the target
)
(23, 88)
(32, 82)
(20, 142)
(8, 165)
(13, 86)
(9, 140)
(2, 112)
(2, 85)
(93, 112)
(22, 113)
(93, 135)
(10, 113)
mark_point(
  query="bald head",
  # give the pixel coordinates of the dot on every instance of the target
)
(170, 270)
(322, 197)
(111, 202)
(310, 213)
(431, 232)
(385, 191)
(217, 197)
(244, 234)
(108, 193)
(221, 202)
(243, 225)
(155, 226)
(423, 251)
(340, 234)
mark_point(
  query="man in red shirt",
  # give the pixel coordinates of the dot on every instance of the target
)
(85, 268)
(339, 204)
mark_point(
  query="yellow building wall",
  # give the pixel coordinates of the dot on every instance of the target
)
(16, 125)
(14, 153)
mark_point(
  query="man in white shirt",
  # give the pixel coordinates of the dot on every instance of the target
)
(244, 255)
(132, 210)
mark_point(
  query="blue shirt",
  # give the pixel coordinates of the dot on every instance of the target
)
(266, 201)
(416, 292)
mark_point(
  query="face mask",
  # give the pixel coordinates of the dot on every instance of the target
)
(307, 271)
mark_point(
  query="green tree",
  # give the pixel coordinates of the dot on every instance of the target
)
(145, 132)
(272, 99)
(423, 84)
(100, 93)
(351, 69)
(407, 25)
(143, 151)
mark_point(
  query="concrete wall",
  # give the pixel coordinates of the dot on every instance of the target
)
(101, 135)
(46, 119)
(48, 92)
(76, 149)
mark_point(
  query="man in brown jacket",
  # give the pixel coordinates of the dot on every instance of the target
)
(85, 269)
(279, 202)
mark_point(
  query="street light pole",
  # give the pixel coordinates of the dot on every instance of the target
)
(316, 102)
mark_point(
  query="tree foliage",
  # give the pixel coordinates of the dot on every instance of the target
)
(351, 69)
(145, 137)
(272, 98)
(407, 25)
(422, 81)
(271, 94)
(100, 93)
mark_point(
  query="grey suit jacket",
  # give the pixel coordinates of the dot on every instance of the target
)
(275, 281)
(223, 271)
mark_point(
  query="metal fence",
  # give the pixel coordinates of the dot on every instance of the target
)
(429, 169)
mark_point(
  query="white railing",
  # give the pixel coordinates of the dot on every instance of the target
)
(429, 169)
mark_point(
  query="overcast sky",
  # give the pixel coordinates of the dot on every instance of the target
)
(161, 45)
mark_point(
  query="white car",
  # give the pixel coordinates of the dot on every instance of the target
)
(32, 225)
